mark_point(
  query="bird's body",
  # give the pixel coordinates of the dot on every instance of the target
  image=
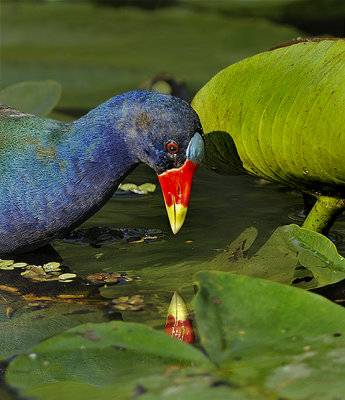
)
(54, 175)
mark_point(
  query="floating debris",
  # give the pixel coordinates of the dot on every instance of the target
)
(126, 303)
(141, 240)
(145, 239)
(98, 236)
(9, 312)
(105, 278)
(47, 272)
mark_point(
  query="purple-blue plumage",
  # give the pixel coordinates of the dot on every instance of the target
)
(54, 175)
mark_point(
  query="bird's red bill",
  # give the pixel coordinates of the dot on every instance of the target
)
(176, 184)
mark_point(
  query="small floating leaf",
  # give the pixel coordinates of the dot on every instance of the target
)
(6, 267)
(127, 187)
(67, 276)
(4, 263)
(19, 265)
(146, 188)
(52, 266)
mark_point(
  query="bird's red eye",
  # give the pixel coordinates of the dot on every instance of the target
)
(172, 147)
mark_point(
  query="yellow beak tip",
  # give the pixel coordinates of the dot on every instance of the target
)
(175, 229)
(176, 214)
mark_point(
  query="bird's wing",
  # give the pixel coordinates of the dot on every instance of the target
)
(10, 112)
(19, 130)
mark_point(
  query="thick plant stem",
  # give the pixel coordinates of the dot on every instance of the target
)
(323, 214)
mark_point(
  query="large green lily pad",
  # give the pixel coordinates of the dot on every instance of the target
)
(29, 326)
(283, 110)
(286, 340)
(103, 359)
(263, 341)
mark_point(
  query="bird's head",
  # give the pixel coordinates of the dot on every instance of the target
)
(165, 133)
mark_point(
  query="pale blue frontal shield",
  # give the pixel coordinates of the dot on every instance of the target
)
(195, 149)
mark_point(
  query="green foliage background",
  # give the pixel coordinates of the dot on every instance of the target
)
(96, 52)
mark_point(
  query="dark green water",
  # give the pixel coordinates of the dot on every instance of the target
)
(221, 207)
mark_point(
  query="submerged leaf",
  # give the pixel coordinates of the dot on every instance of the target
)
(289, 255)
